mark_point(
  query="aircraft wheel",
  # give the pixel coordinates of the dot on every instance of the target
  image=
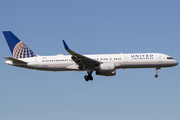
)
(86, 78)
(90, 77)
(156, 76)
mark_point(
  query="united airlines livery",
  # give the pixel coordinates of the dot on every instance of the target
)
(102, 64)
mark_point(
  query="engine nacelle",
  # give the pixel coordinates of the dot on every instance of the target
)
(106, 73)
(107, 67)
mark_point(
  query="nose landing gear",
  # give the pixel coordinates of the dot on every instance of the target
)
(156, 76)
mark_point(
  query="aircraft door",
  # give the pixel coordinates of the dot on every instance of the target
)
(36, 61)
(125, 58)
(160, 58)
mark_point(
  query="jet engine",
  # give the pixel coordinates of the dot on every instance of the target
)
(106, 73)
(107, 67)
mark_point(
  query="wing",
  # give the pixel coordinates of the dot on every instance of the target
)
(15, 60)
(81, 60)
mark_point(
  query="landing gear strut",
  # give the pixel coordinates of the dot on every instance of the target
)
(89, 76)
(156, 76)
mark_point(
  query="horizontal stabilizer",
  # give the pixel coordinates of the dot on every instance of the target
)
(15, 60)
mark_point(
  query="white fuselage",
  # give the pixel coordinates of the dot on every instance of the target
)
(65, 63)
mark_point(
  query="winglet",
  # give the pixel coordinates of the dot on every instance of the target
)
(65, 45)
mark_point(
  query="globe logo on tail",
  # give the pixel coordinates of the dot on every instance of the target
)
(22, 51)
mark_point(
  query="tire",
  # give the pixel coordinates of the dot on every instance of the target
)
(156, 76)
(90, 77)
(86, 78)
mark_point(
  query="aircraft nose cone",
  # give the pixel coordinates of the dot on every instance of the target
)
(176, 63)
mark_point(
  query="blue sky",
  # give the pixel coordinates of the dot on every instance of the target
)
(91, 27)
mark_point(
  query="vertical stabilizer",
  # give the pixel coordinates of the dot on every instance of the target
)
(17, 47)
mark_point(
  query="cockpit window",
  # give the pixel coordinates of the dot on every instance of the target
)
(169, 58)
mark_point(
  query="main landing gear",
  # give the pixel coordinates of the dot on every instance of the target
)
(89, 76)
(156, 76)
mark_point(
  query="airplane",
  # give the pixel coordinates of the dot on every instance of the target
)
(102, 64)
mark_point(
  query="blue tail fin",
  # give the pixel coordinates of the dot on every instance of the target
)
(17, 47)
